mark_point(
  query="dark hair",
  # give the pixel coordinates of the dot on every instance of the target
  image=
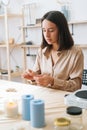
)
(65, 38)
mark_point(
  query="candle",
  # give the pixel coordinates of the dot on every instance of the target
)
(37, 113)
(26, 99)
(11, 108)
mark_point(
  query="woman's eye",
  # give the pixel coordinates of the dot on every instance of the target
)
(51, 30)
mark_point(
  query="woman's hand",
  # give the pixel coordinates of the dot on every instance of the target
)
(29, 74)
(44, 80)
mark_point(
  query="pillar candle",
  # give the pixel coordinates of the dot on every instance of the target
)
(11, 108)
(37, 113)
(26, 106)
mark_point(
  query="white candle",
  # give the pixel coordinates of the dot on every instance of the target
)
(11, 108)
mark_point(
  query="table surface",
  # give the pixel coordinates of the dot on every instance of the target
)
(54, 104)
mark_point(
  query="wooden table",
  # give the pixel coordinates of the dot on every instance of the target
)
(54, 104)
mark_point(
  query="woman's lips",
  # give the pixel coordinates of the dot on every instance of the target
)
(49, 40)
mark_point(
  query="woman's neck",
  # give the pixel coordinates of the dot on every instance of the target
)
(55, 47)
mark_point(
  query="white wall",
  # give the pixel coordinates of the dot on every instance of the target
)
(77, 10)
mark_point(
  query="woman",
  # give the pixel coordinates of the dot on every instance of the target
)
(59, 64)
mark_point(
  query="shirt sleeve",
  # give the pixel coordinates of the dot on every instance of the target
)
(75, 80)
(36, 67)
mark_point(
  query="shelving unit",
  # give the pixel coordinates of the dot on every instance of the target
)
(6, 45)
(23, 28)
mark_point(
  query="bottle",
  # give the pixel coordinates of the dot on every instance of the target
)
(75, 115)
(61, 123)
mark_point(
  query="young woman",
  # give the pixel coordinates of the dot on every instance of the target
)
(59, 63)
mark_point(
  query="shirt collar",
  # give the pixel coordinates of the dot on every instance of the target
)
(47, 53)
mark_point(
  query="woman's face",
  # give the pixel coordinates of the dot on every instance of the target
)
(50, 32)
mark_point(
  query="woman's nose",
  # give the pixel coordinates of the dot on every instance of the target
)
(47, 34)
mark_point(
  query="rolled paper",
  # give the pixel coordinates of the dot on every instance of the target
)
(37, 113)
(26, 106)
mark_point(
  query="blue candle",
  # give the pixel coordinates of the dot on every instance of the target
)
(37, 113)
(26, 106)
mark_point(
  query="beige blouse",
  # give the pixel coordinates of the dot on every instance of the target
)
(67, 71)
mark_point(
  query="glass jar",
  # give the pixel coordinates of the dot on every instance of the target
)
(62, 123)
(75, 115)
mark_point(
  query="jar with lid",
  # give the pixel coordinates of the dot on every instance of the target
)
(61, 123)
(75, 115)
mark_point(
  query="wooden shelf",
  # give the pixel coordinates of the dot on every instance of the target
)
(20, 45)
(11, 45)
(4, 72)
(13, 74)
(78, 22)
(35, 46)
(30, 26)
(5, 16)
(39, 25)
(3, 45)
(31, 46)
(83, 46)
(10, 15)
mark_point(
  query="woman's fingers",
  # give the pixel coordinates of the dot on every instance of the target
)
(28, 75)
